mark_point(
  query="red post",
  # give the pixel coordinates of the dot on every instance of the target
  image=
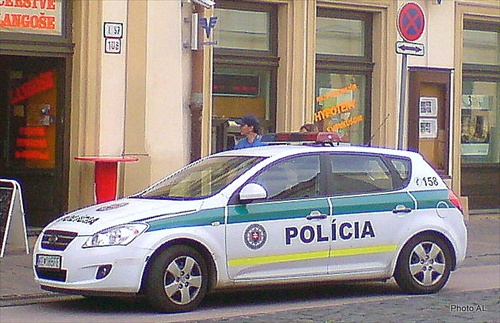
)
(105, 175)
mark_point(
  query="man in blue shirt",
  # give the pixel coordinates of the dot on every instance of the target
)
(249, 127)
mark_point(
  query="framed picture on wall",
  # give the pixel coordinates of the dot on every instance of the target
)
(428, 128)
(428, 107)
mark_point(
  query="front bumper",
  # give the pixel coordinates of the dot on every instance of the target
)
(81, 269)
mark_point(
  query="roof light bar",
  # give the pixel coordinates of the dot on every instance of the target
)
(303, 137)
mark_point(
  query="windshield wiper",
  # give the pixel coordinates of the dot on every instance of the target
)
(162, 197)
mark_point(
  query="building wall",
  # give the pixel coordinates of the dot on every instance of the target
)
(129, 104)
(137, 103)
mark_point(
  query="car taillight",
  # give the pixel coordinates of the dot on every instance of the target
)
(455, 200)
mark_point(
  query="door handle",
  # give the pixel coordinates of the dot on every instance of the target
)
(401, 209)
(315, 215)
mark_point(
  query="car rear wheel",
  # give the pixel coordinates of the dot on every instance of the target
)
(178, 279)
(424, 265)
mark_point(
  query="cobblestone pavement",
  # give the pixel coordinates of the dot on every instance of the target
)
(476, 306)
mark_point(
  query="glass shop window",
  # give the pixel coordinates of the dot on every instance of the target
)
(480, 140)
(343, 74)
(245, 69)
(480, 104)
(32, 111)
(240, 29)
(340, 36)
(481, 47)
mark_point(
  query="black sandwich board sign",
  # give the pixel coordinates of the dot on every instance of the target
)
(13, 234)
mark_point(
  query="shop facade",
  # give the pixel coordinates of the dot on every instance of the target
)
(334, 64)
(479, 104)
(163, 82)
(35, 69)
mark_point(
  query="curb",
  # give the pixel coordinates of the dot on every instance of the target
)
(27, 299)
(485, 212)
(491, 214)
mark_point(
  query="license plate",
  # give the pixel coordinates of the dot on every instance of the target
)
(45, 261)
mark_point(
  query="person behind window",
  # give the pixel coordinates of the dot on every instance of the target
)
(249, 127)
(308, 127)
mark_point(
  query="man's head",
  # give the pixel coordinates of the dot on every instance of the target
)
(250, 121)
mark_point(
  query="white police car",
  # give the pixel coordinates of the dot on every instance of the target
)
(262, 215)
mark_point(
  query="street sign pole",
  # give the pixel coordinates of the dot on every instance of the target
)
(411, 24)
(402, 100)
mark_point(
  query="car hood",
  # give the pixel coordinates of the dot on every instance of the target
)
(92, 219)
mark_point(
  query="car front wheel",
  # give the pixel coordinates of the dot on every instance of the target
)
(424, 265)
(177, 281)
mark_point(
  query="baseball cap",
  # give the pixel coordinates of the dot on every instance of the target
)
(249, 120)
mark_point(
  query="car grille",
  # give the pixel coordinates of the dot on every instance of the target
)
(57, 240)
(51, 274)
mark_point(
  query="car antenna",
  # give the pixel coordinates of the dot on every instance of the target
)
(378, 129)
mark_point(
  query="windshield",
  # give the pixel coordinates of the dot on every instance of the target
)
(201, 179)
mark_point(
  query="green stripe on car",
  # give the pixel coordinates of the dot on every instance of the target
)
(200, 218)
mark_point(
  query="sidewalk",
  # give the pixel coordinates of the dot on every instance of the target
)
(17, 285)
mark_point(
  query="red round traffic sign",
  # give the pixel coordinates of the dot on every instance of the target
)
(411, 21)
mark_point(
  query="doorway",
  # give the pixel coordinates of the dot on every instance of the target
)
(429, 116)
(31, 114)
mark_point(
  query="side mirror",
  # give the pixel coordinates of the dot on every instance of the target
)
(252, 191)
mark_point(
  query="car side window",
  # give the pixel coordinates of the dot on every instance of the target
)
(352, 173)
(292, 178)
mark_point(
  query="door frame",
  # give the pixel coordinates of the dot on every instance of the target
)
(62, 65)
(418, 77)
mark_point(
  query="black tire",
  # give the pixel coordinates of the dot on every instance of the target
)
(177, 279)
(424, 265)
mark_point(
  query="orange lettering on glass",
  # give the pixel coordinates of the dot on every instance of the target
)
(345, 124)
(31, 143)
(31, 154)
(33, 131)
(335, 93)
(337, 109)
(42, 82)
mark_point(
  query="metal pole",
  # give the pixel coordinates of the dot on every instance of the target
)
(402, 101)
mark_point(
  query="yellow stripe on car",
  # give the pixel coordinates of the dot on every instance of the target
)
(362, 251)
(310, 255)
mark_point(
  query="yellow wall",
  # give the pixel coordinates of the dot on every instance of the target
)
(144, 112)
(130, 104)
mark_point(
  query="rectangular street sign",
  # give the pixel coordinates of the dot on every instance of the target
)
(113, 30)
(112, 46)
(407, 48)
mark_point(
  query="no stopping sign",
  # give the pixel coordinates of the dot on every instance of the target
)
(411, 21)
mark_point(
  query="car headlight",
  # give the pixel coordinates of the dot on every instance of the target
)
(116, 236)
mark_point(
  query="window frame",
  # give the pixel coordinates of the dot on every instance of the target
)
(344, 64)
(479, 73)
(397, 181)
(325, 60)
(236, 53)
(320, 181)
(325, 175)
(244, 59)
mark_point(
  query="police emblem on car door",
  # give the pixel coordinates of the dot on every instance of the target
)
(282, 235)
